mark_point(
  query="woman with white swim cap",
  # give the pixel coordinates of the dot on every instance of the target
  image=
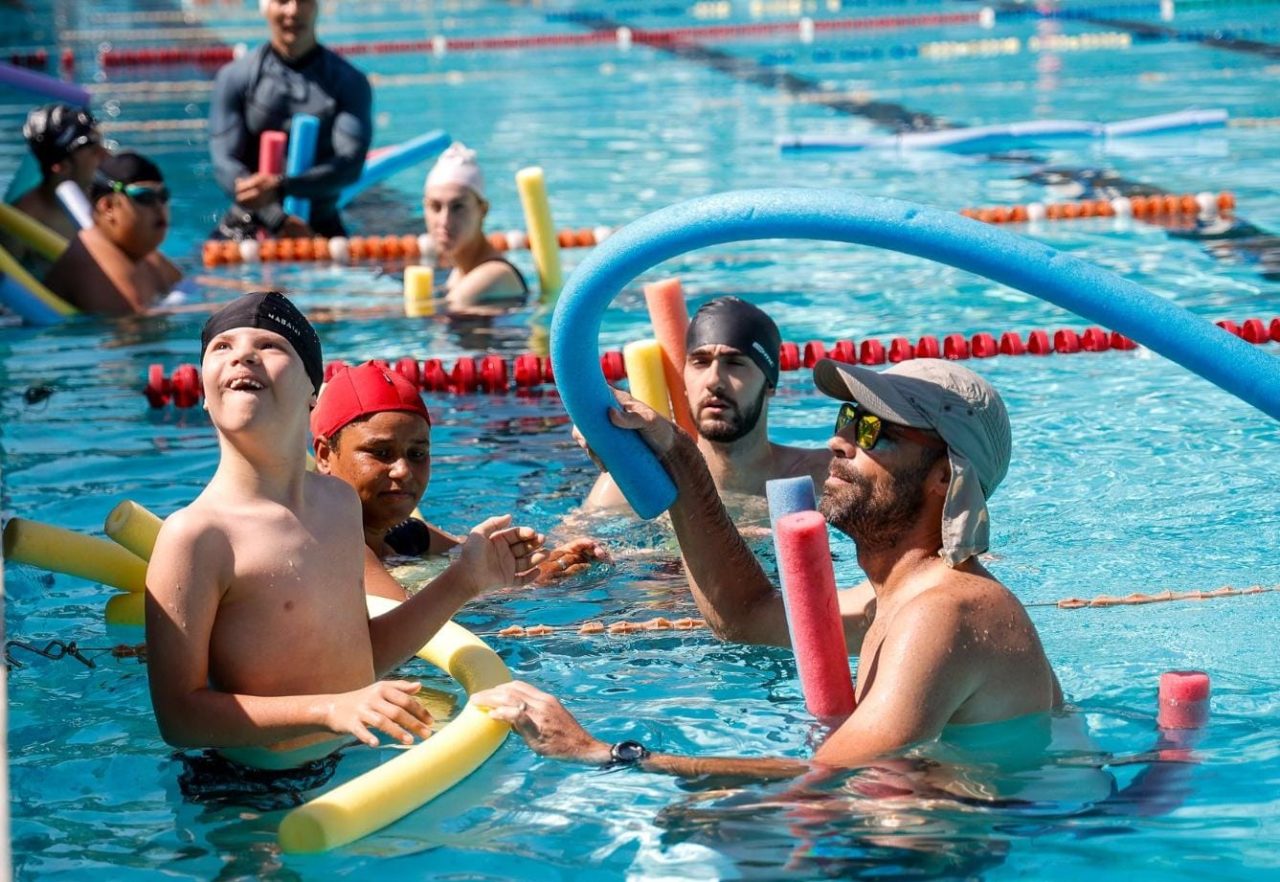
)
(455, 208)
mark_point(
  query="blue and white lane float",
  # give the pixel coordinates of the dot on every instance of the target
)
(388, 161)
(1089, 291)
(1011, 136)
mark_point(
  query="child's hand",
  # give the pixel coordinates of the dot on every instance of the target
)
(388, 705)
(496, 555)
(572, 557)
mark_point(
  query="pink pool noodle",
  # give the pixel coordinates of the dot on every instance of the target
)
(1184, 700)
(813, 614)
(271, 149)
(670, 319)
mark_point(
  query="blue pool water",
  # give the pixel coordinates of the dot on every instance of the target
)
(1129, 473)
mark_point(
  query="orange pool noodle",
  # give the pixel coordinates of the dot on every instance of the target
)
(813, 614)
(670, 319)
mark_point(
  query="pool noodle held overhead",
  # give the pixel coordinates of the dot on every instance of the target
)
(838, 215)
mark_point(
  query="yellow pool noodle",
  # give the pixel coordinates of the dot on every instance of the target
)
(44, 241)
(15, 271)
(395, 788)
(133, 527)
(541, 230)
(419, 297)
(65, 551)
(126, 609)
(643, 360)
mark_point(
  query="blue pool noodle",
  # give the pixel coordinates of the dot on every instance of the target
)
(32, 309)
(42, 84)
(788, 495)
(1008, 136)
(394, 160)
(1091, 292)
(303, 132)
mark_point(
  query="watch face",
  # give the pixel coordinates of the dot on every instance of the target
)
(629, 752)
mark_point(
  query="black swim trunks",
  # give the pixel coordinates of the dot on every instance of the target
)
(209, 778)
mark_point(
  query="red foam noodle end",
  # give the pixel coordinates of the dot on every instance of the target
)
(271, 149)
(1184, 700)
(813, 614)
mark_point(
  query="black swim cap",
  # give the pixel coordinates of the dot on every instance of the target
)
(119, 170)
(730, 321)
(271, 311)
(55, 131)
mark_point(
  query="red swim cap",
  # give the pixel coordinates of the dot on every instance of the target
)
(357, 392)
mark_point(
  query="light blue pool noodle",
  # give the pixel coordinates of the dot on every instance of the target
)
(303, 131)
(789, 495)
(33, 310)
(1097, 295)
(394, 160)
(1006, 136)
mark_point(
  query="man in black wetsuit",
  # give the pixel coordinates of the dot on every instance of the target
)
(262, 91)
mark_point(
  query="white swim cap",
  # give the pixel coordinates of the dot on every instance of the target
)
(457, 165)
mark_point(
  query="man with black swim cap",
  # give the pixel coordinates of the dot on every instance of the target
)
(731, 372)
(258, 637)
(115, 267)
(68, 146)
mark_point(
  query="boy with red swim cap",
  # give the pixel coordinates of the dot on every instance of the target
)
(372, 430)
(257, 632)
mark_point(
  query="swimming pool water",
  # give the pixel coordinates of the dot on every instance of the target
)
(1129, 473)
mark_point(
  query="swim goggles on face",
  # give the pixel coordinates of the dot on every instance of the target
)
(148, 197)
(868, 428)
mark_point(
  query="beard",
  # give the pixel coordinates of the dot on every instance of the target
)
(875, 517)
(735, 423)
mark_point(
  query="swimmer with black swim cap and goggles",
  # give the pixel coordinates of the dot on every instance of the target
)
(730, 373)
(115, 267)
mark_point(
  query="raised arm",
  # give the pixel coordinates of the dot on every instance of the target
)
(494, 555)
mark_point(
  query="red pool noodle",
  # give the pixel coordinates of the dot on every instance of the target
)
(271, 148)
(670, 319)
(1184, 700)
(813, 614)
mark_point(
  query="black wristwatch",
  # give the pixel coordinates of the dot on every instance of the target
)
(627, 753)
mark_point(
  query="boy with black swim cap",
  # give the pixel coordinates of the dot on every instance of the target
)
(257, 633)
(731, 371)
(115, 267)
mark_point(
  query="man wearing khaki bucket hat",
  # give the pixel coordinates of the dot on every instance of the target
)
(918, 449)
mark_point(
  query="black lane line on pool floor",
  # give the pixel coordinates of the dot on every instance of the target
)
(1237, 238)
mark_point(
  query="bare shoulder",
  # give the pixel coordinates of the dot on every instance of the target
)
(796, 461)
(192, 539)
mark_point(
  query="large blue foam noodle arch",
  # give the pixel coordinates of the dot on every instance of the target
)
(1097, 295)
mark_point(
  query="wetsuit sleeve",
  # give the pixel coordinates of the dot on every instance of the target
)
(228, 135)
(352, 132)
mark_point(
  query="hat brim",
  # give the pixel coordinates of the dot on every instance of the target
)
(877, 392)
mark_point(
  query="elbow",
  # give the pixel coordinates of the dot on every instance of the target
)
(177, 735)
